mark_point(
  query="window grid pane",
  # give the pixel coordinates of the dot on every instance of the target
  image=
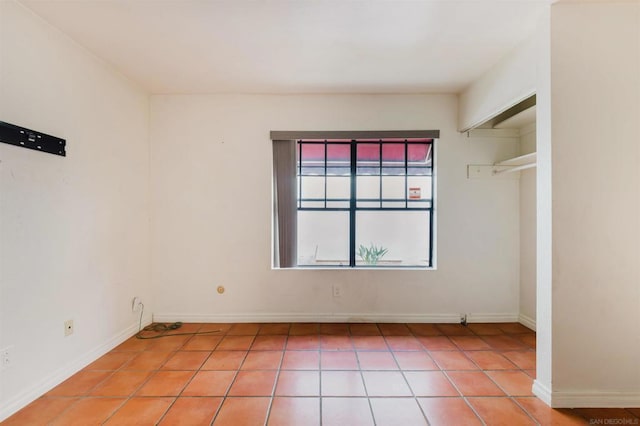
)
(390, 177)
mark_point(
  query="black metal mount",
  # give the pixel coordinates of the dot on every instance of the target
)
(26, 138)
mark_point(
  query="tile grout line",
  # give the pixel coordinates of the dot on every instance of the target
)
(275, 382)
(496, 383)
(160, 369)
(195, 373)
(515, 401)
(151, 374)
(235, 376)
(464, 397)
(81, 397)
(511, 397)
(415, 397)
(364, 384)
(125, 398)
(224, 397)
(320, 397)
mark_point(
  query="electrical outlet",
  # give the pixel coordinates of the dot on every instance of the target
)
(6, 357)
(337, 290)
(136, 304)
(68, 327)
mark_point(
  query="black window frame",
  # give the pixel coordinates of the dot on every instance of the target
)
(353, 200)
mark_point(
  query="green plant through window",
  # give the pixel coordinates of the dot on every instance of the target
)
(372, 254)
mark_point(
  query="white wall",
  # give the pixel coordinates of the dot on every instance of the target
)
(211, 178)
(527, 192)
(595, 104)
(74, 233)
(508, 82)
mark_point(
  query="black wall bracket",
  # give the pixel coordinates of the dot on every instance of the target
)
(26, 138)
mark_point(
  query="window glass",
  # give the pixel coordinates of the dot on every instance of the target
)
(312, 187)
(404, 234)
(393, 154)
(338, 187)
(323, 238)
(393, 187)
(379, 216)
(368, 187)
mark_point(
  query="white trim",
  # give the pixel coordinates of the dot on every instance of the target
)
(319, 317)
(527, 321)
(493, 133)
(521, 160)
(498, 111)
(63, 373)
(332, 317)
(585, 399)
(492, 317)
(542, 392)
(283, 135)
(595, 399)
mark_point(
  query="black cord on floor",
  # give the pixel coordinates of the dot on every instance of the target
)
(164, 328)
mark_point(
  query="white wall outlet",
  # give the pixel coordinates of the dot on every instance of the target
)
(337, 290)
(68, 327)
(6, 358)
(136, 304)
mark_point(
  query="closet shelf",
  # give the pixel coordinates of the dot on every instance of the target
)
(527, 159)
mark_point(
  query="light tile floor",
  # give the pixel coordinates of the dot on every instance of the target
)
(314, 374)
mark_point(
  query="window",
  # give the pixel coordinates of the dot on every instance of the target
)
(360, 201)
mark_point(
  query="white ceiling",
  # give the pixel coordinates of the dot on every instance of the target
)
(303, 46)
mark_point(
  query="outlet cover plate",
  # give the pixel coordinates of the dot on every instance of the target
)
(337, 290)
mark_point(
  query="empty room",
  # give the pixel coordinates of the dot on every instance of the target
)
(367, 212)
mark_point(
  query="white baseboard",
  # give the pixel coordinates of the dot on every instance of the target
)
(492, 318)
(332, 317)
(542, 392)
(527, 321)
(15, 403)
(595, 399)
(586, 399)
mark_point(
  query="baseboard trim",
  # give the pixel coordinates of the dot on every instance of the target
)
(595, 399)
(332, 317)
(492, 318)
(585, 399)
(542, 392)
(527, 321)
(22, 399)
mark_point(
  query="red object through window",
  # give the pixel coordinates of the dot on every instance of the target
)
(340, 150)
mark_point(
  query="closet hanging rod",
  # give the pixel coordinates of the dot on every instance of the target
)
(514, 169)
